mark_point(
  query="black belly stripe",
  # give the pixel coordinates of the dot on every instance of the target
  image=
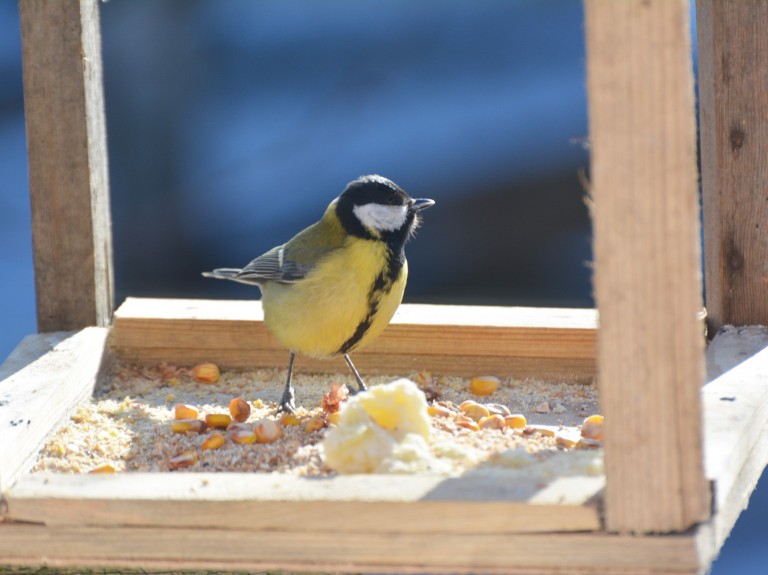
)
(381, 286)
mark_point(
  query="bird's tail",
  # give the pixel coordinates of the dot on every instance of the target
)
(222, 273)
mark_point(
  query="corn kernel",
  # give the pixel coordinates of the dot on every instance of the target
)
(584, 443)
(494, 421)
(467, 422)
(170, 397)
(188, 425)
(545, 431)
(315, 423)
(183, 459)
(243, 436)
(516, 421)
(257, 403)
(543, 407)
(498, 408)
(474, 410)
(564, 442)
(484, 385)
(206, 372)
(182, 411)
(106, 468)
(267, 431)
(439, 411)
(215, 441)
(218, 420)
(240, 409)
(592, 428)
(289, 419)
(333, 418)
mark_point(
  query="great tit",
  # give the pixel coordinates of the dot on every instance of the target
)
(334, 287)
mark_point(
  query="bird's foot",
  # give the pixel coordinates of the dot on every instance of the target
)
(287, 403)
(361, 387)
(287, 407)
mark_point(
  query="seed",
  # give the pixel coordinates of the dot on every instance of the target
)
(436, 410)
(289, 419)
(474, 410)
(565, 442)
(267, 431)
(592, 428)
(206, 372)
(188, 425)
(584, 443)
(543, 407)
(333, 418)
(545, 431)
(243, 436)
(315, 423)
(499, 408)
(183, 459)
(182, 411)
(467, 422)
(484, 385)
(215, 441)
(240, 409)
(106, 468)
(494, 421)
(516, 421)
(218, 420)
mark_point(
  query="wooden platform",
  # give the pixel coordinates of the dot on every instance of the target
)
(384, 523)
(680, 460)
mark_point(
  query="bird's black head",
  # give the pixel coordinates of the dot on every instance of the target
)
(374, 207)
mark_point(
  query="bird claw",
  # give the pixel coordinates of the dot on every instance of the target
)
(353, 391)
(287, 404)
(286, 407)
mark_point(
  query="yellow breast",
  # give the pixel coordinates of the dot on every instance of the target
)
(335, 309)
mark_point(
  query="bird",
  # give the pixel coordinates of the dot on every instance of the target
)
(333, 288)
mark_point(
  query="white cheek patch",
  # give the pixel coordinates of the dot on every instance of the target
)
(380, 217)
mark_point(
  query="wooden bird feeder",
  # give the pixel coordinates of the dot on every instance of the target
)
(681, 456)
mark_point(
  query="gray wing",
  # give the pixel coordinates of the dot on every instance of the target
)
(271, 266)
(274, 266)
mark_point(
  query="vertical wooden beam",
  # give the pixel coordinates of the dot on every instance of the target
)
(647, 253)
(68, 181)
(733, 103)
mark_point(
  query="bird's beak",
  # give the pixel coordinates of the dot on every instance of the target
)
(421, 204)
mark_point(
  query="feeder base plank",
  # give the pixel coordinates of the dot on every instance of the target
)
(37, 397)
(344, 504)
(176, 548)
(458, 340)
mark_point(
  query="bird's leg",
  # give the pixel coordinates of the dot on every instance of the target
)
(286, 401)
(360, 384)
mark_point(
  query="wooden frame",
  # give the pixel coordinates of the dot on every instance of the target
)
(672, 491)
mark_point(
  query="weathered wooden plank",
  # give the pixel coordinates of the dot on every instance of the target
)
(30, 348)
(68, 180)
(647, 278)
(181, 549)
(459, 340)
(733, 75)
(36, 398)
(474, 503)
(736, 431)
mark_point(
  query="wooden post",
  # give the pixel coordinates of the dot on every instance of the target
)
(647, 278)
(68, 181)
(733, 88)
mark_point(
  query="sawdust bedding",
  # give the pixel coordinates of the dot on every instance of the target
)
(127, 424)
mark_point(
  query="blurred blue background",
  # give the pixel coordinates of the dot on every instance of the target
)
(232, 124)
